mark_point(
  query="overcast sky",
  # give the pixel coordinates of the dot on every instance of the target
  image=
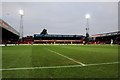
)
(62, 17)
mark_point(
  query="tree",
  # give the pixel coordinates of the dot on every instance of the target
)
(44, 31)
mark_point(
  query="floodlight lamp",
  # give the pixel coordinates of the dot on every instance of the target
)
(87, 16)
(21, 12)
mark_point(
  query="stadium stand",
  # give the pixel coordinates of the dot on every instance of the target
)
(107, 38)
(28, 40)
(9, 34)
(53, 38)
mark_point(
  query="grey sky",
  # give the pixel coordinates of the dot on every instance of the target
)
(62, 17)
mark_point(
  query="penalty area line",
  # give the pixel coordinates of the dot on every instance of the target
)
(56, 67)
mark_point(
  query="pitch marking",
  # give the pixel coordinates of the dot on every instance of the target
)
(55, 67)
(66, 57)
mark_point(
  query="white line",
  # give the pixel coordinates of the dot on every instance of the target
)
(55, 67)
(25, 68)
(103, 63)
(66, 57)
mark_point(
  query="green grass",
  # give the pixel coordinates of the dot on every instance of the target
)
(39, 55)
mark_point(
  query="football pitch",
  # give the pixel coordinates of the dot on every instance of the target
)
(60, 61)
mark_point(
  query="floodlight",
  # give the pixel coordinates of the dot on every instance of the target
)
(87, 16)
(21, 12)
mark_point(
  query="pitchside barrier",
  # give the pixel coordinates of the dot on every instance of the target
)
(36, 44)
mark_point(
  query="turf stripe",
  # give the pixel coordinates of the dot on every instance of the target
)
(54, 67)
(66, 57)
